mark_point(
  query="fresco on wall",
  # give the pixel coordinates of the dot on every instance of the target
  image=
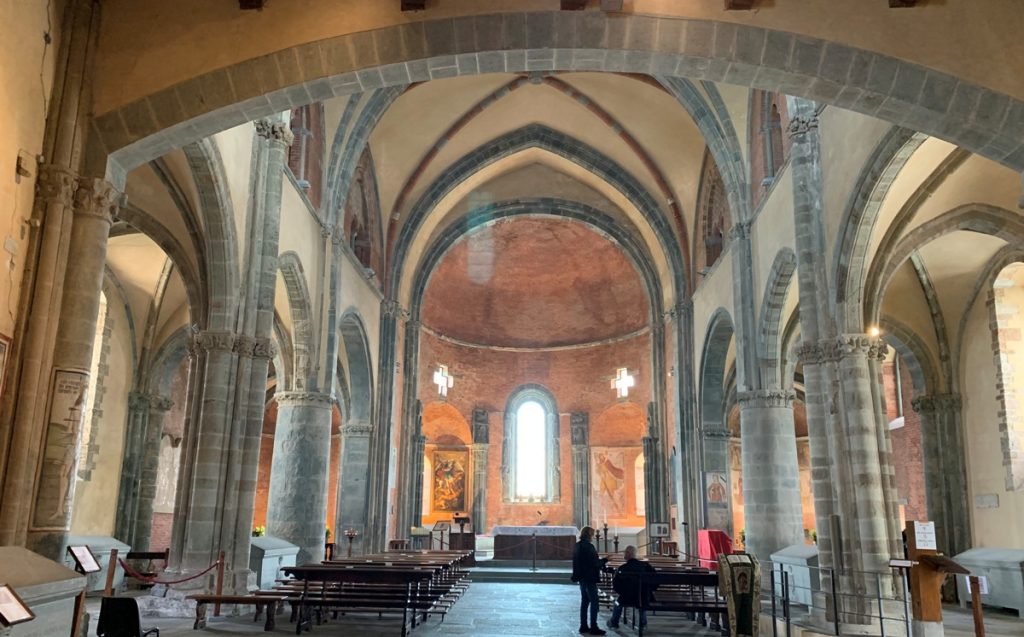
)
(450, 480)
(608, 499)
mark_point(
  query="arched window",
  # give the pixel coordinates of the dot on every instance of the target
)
(362, 214)
(768, 146)
(1007, 308)
(713, 208)
(305, 155)
(530, 449)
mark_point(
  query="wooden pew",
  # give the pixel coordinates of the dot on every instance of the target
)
(269, 602)
(321, 588)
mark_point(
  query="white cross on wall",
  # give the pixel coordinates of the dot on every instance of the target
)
(622, 382)
(443, 380)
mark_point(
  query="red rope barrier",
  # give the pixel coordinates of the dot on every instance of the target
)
(153, 580)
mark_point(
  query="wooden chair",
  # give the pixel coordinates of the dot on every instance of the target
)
(120, 617)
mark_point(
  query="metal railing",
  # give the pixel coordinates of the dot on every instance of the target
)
(828, 600)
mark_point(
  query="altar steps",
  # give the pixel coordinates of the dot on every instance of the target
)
(520, 573)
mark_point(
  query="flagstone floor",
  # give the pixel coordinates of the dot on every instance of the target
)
(513, 610)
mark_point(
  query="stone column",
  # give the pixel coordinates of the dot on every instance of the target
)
(353, 488)
(31, 375)
(131, 461)
(95, 205)
(771, 476)
(870, 515)
(579, 423)
(481, 447)
(148, 470)
(945, 475)
(415, 460)
(297, 504)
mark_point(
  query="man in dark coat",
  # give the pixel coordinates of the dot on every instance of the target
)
(586, 570)
(627, 584)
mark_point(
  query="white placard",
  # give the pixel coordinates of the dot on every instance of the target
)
(982, 583)
(659, 529)
(924, 535)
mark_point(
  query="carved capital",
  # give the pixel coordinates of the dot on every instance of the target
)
(56, 184)
(481, 426)
(264, 348)
(717, 433)
(932, 403)
(680, 311)
(801, 125)
(304, 397)
(739, 231)
(96, 198)
(764, 398)
(391, 307)
(215, 340)
(811, 354)
(275, 131)
(244, 345)
(138, 401)
(160, 403)
(360, 430)
(850, 345)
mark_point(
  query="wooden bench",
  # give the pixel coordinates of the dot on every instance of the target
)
(321, 586)
(694, 591)
(271, 603)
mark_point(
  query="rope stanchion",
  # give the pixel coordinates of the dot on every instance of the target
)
(220, 582)
(131, 572)
(108, 589)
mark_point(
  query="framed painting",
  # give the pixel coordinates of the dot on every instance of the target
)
(449, 480)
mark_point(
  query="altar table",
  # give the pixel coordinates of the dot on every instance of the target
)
(516, 542)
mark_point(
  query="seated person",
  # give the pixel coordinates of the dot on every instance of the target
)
(628, 587)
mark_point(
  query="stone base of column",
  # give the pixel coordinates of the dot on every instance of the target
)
(927, 629)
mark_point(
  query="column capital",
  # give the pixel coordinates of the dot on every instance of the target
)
(766, 398)
(929, 403)
(160, 403)
(215, 340)
(740, 231)
(274, 130)
(359, 430)
(56, 184)
(391, 307)
(96, 198)
(849, 345)
(244, 345)
(138, 401)
(680, 310)
(800, 125)
(264, 348)
(716, 433)
(304, 397)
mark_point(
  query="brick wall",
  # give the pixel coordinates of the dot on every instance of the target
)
(579, 380)
(907, 450)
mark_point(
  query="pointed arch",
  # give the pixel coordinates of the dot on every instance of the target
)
(360, 367)
(775, 292)
(304, 342)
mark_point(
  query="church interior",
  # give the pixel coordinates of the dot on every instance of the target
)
(431, 276)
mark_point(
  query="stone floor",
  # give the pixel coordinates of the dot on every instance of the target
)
(516, 610)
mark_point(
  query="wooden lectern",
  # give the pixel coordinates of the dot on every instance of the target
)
(928, 571)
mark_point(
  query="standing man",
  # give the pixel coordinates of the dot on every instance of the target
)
(627, 584)
(586, 570)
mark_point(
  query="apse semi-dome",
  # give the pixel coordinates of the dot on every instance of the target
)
(534, 282)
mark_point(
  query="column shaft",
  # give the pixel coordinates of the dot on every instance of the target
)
(95, 204)
(771, 476)
(353, 487)
(297, 504)
(148, 470)
(579, 423)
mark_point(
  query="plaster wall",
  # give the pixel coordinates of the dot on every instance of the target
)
(847, 141)
(236, 146)
(24, 96)
(772, 230)
(93, 510)
(714, 291)
(138, 39)
(1000, 526)
(906, 303)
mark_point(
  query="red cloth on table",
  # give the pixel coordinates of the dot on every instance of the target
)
(710, 544)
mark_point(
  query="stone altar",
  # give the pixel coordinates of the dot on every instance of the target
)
(48, 588)
(553, 542)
